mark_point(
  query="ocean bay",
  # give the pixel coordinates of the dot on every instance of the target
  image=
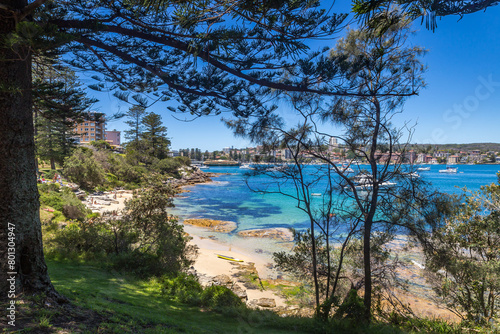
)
(228, 197)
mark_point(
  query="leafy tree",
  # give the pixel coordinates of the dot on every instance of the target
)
(462, 256)
(155, 136)
(83, 169)
(159, 234)
(135, 115)
(101, 144)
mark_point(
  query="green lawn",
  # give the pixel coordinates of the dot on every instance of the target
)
(136, 306)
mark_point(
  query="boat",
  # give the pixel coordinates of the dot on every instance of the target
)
(316, 194)
(364, 182)
(203, 167)
(246, 166)
(449, 170)
(423, 169)
(229, 258)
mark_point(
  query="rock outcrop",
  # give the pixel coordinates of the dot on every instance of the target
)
(214, 225)
(279, 233)
(195, 177)
(262, 302)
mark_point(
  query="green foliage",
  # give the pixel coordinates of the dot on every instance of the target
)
(101, 144)
(218, 297)
(83, 169)
(351, 308)
(135, 115)
(184, 288)
(168, 166)
(63, 200)
(146, 241)
(463, 257)
(59, 103)
(155, 136)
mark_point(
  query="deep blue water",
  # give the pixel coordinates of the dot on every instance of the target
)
(229, 198)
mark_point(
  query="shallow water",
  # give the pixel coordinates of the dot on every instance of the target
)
(229, 198)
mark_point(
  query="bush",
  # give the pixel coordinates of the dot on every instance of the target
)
(218, 297)
(101, 145)
(146, 242)
(82, 168)
(185, 288)
(62, 200)
(167, 166)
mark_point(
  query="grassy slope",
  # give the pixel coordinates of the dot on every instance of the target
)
(132, 305)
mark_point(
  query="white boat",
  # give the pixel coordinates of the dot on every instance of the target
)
(364, 182)
(246, 166)
(203, 167)
(449, 170)
(316, 194)
(423, 169)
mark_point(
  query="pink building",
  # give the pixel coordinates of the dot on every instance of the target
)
(113, 137)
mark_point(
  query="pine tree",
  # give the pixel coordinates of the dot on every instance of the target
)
(155, 136)
(135, 115)
(59, 104)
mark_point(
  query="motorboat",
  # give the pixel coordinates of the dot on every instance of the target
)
(449, 170)
(423, 169)
(246, 166)
(364, 182)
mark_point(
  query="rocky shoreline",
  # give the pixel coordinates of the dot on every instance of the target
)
(196, 176)
(214, 225)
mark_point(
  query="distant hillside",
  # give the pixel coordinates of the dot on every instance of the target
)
(484, 147)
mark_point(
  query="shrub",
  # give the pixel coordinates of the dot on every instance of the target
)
(185, 288)
(218, 297)
(82, 168)
(62, 200)
(167, 166)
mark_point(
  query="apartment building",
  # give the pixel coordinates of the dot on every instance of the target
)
(91, 129)
(113, 137)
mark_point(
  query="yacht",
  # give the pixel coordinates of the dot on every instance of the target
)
(423, 169)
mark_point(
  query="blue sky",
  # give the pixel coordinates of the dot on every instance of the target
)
(461, 103)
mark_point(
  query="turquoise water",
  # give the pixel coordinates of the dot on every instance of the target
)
(229, 197)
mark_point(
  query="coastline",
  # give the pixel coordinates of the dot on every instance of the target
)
(256, 250)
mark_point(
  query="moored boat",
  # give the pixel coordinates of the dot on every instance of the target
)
(449, 170)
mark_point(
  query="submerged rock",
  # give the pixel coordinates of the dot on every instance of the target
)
(278, 233)
(214, 225)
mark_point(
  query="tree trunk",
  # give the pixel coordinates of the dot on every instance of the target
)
(367, 299)
(19, 200)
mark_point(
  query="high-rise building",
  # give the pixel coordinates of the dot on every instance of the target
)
(333, 143)
(92, 128)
